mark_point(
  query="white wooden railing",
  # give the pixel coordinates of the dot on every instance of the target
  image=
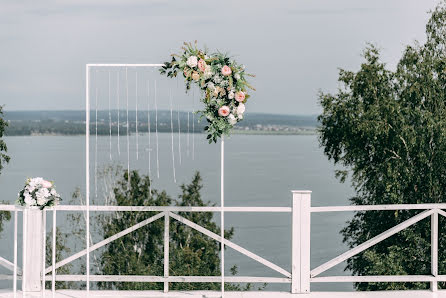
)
(300, 277)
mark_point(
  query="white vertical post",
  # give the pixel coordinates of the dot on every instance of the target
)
(301, 226)
(166, 250)
(434, 250)
(87, 170)
(53, 262)
(32, 246)
(222, 214)
(43, 248)
(15, 254)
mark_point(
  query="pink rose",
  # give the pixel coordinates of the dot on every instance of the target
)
(226, 70)
(240, 96)
(202, 65)
(223, 111)
(46, 184)
(186, 74)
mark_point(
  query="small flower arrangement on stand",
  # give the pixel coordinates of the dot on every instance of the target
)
(38, 192)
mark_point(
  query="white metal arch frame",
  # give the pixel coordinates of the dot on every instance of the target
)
(87, 172)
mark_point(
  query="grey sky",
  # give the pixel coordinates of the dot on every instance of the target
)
(294, 47)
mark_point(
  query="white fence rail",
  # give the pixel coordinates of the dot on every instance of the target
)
(300, 277)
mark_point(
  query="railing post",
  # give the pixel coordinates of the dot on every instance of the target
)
(32, 249)
(166, 250)
(434, 249)
(301, 226)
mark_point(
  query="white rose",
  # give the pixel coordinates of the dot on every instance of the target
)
(237, 76)
(41, 201)
(211, 86)
(192, 61)
(53, 192)
(241, 109)
(28, 199)
(43, 193)
(231, 95)
(36, 181)
(208, 72)
(232, 120)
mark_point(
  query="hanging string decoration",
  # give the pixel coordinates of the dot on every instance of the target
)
(128, 125)
(118, 105)
(136, 115)
(148, 129)
(193, 124)
(156, 136)
(179, 134)
(187, 134)
(171, 133)
(96, 147)
(222, 82)
(109, 115)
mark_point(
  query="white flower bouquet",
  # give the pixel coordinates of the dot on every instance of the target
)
(39, 193)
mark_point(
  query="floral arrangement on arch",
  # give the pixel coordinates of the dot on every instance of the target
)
(38, 192)
(222, 82)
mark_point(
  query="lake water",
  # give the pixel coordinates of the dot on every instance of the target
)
(260, 171)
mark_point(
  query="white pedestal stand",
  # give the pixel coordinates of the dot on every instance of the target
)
(32, 249)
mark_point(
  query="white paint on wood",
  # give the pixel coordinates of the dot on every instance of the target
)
(441, 212)
(222, 214)
(380, 278)
(53, 253)
(378, 207)
(300, 255)
(43, 248)
(106, 241)
(166, 251)
(173, 209)
(241, 294)
(434, 249)
(305, 232)
(295, 246)
(6, 264)
(230, 244)
(123, 65)
(192, 279)
(15, 254)
(8, 207)
(87, 169)
(32, 249)
(370, 242)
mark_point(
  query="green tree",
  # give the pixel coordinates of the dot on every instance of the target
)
(388, 129)
(141, 252)
(4, 159)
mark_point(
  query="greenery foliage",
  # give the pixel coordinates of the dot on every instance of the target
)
(388, 128)
(4, 159)
(141, 252)
(62, 250)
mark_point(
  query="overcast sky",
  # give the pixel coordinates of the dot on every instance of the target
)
(294, 47)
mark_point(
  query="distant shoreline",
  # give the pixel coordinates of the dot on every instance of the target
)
(63, 123)
(234, 132)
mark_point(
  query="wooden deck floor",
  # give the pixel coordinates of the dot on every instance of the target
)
(206, 294)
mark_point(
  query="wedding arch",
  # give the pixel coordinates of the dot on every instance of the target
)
(223, 86)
